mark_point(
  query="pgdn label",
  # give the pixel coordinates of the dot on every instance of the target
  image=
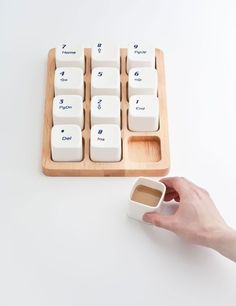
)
(63, 107)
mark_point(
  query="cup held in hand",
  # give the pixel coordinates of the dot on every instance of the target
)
(146, 196)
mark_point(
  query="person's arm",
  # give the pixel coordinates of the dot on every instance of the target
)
(224, 242)
(197, 220)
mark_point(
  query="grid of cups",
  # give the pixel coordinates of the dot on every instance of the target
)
(105, 134)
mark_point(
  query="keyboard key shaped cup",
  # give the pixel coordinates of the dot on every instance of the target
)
(147, 195)
(105, 111)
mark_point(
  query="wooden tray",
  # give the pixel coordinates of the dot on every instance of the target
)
(143, 153)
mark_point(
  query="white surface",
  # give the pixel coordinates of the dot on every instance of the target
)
(136, 210)
(105, 143)
(67, 241)
(69, 81)
(105, 55)
(142, 81)
(68, 55)
(140, 55)
(105, 81)
(105, 110)
(143, 113)
(68, 109)
(66, 142)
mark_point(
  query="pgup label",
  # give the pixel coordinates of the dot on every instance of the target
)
(140, 52)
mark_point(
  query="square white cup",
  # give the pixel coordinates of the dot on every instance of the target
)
(136, 210)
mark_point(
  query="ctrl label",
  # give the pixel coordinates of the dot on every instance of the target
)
(64, 138)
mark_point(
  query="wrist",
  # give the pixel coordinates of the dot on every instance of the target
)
(220, 238)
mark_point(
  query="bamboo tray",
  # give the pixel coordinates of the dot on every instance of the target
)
(143, 153)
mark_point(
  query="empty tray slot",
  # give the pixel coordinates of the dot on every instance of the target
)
(144, 149)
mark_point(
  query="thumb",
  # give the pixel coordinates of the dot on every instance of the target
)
(162, 221)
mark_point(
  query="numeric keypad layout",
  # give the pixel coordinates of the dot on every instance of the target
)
(113, 103)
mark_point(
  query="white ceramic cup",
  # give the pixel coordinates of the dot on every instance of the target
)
(136, 210)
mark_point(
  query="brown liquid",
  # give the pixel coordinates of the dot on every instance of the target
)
(146, 195)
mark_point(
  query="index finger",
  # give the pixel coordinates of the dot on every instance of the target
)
(179, 184)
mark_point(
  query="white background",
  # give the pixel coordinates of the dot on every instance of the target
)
(67, 241)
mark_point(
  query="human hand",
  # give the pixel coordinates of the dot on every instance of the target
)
(197, 220)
